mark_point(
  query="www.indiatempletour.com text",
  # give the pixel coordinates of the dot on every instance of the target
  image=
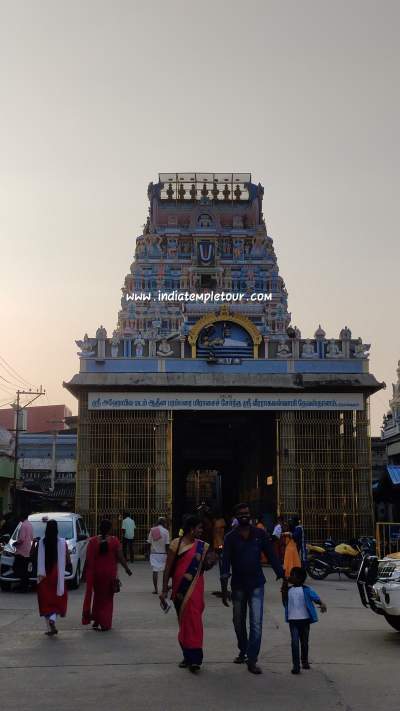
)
(223, 296)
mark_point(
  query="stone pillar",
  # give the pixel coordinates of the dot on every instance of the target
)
(346, 347)
(182, 341)
(296, 348)
(266, 342)
(101, 335)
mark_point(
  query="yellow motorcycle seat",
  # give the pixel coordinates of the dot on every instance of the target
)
(313, 548)
(345, 549)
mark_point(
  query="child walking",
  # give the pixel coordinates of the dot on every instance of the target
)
(299, 601)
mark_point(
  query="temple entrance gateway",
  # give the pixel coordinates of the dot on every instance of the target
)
(195, 397)
(167, 462)
(221, 458)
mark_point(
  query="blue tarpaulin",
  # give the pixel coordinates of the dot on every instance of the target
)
(394, 473)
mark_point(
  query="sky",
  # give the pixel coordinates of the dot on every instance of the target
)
(99, 97)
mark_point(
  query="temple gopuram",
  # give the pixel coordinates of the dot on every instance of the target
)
(206, 392)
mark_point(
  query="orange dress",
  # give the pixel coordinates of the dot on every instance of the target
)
(291, 558)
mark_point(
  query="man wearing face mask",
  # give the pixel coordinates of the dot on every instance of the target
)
(243, 547)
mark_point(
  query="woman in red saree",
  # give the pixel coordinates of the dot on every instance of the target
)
(102, 558)
(186, 563)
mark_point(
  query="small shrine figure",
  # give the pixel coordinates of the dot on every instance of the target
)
(228, 279)
(238, 249)
(361, 349)
(396, 386)
(250, 278)
(153, 245)
(160, 275)
(297, 332)
(258, 249)
(152, 340)
(283, 349)
(115, 344)
(345, 334)
(140, 248)
(184, 280)
(164, 349)
(308, 349)
(333, 350)
(101, 333)
(138, 343)
(172, 248)
(86, 347)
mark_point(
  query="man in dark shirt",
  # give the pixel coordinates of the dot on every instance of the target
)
(242, 552)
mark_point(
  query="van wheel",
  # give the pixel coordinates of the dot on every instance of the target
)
(393, 621)
(76, 580)
(6, 587)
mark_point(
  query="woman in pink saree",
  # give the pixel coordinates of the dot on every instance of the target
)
(186, 563)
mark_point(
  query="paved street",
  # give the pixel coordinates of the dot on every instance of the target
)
(355, 657)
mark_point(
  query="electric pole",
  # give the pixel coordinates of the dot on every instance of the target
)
(18, 408)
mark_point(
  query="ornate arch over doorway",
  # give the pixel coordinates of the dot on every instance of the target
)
(212, 319)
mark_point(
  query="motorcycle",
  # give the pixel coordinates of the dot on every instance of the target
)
(343, 558)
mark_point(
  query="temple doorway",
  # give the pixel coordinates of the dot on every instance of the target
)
(221, 458)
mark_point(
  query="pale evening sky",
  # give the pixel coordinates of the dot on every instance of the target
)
(97, 97)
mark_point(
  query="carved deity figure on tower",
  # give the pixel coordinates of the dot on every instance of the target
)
(333, 350)
(115, 344)
(164, 349)
(361, 349)
(258, 250)
(308, 349)
(138, 342)
(283, 349)
(345, 334)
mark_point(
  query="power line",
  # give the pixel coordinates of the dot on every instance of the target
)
(7, 391)
(14, 373)
(9, 382)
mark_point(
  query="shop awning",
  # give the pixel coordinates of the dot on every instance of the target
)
(394, 473)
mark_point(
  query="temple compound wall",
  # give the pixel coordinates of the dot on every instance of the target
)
(200, 393)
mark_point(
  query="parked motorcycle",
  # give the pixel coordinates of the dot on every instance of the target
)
(343, 558)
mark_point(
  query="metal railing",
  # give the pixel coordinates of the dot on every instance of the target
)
(324, 473)
(387, 538)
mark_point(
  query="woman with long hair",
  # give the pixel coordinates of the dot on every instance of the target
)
(103, 555)
(53, 556)
(186, 562)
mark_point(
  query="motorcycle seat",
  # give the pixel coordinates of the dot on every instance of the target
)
(345, 549)
(313, 548)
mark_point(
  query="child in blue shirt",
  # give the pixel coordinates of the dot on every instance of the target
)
(299, 601)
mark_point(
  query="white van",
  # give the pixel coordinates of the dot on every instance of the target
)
(71, 526)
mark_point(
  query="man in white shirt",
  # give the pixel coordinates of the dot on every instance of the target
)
(158, 541)
(128, 535)
(277, 532)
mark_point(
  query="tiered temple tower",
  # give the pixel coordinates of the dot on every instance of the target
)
(205, 233)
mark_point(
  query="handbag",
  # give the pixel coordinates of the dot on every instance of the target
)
(116, 585)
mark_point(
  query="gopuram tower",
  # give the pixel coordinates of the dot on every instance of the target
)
(206, 392)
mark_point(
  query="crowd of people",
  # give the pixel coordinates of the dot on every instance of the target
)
(241, 550)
